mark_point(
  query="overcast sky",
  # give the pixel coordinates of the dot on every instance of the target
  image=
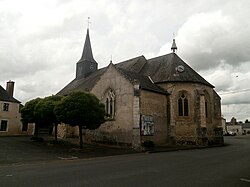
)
(41, 41)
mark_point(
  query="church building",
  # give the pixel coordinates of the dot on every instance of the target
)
(161, 99)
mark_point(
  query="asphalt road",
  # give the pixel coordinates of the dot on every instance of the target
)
(19, 150)
(221, 166)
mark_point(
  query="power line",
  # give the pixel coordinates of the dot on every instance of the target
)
(233, 92)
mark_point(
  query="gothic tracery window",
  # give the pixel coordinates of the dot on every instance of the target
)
(110, 104)
(183, 105)
(206, 109)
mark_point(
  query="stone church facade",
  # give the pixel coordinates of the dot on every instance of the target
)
(160, 99)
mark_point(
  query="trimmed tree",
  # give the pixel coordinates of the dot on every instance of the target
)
(28, 114)
(81, 109)
(44, 111)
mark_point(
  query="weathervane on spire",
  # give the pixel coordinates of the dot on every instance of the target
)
(89, 22)
(111, 60)
(174, 47)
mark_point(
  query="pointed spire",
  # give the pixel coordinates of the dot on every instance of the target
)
(87, 64)
(174, 47)
(87, 50)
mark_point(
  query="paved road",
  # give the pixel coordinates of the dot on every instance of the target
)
(222, 166)
(18, 150)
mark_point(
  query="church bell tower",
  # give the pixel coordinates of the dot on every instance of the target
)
(87, 64)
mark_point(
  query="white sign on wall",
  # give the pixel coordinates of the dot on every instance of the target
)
(147, 125)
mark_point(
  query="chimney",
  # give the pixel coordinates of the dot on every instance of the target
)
(10, 87)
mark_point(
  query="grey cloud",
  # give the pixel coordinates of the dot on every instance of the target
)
(214, 39)
(40, 53)
(235, 98)
(240, 111)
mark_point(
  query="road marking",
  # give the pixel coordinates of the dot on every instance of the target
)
(68, 158)
(245, 180)
(10, 175)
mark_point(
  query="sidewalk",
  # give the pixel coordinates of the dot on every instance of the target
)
(168, 148)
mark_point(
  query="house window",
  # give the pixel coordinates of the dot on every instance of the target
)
(183, 105)
(6, 106)
(3, 126)
(110, 104)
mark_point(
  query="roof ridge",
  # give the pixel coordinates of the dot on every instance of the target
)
(145, 81)
(138, 57)
(161, 56)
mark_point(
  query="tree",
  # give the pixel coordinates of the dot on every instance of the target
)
(44, 111)
(246, 121)
(81, 109)
(28, 114)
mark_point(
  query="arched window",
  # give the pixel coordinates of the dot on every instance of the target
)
(110, 104)
(206, 109)
(183, 105)
(207, 105)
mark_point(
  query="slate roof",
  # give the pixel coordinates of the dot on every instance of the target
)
(163, 69)
(135, 64)
(87, 50)
(4, 96)
(145, 82)
(160, 69)
(85, 84)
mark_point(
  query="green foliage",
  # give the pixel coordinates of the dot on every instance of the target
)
(27, 112)
(41, 112)
(44, 110)
(80, 108)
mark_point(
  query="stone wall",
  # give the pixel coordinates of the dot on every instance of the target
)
(154, 104)
(119, 130)
(198, 127)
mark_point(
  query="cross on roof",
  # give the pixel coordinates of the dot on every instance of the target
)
(89, 22)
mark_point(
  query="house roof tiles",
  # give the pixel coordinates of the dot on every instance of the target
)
(160, 69)
(4, 96)
(144, 81)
